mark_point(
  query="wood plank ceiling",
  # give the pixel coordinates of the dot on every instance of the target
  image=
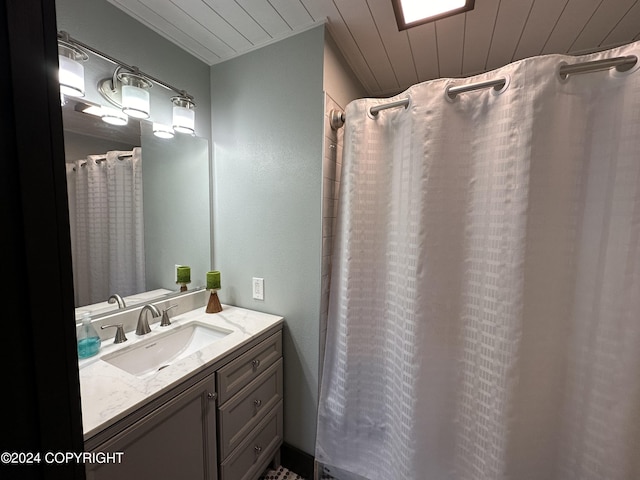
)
(385, 60)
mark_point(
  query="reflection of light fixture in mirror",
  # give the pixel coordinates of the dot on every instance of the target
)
(109, 115)
(162, 131)
(184, 116)
(113, 116)
(411, 13)
(70, 70)
(95, 110)
(128, 91)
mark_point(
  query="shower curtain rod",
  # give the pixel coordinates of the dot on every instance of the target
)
(621, 64)
(102, 158)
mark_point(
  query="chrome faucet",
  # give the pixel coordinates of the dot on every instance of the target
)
(143, 324)
(117, 298)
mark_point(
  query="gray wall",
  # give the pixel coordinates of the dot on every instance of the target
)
(78, 146)
(175, 176)
(267, 116)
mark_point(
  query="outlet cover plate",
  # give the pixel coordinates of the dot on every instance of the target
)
(258, 288)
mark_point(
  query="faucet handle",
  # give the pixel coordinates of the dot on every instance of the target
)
(120, 336)
(165, 322)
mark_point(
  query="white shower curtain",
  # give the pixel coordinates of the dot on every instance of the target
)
(107, 225)
(484, 318)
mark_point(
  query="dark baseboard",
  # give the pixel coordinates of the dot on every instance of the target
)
(297, 461)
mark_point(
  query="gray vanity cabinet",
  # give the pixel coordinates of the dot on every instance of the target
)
(177, 440)
(250, 411)
(226, 426)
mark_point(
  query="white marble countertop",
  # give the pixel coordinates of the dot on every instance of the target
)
(108, 393)
(137, 299)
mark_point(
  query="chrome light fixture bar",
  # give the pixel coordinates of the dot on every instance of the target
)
(411, 13)
(129, 76)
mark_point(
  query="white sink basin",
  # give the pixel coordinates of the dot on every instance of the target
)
(158, 352)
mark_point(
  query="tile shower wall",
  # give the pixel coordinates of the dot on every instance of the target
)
(331, 171)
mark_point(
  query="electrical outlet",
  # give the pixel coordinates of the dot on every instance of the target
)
(258, 288)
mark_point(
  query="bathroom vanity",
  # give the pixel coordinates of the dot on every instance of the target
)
(212, 413)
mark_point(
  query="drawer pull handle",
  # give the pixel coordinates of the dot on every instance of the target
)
(257, 403)
(212, 395)
(255, 363)
(257, 449)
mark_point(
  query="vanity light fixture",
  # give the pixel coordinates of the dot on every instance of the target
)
(95, 110)
(109, 115)
(113, 116)
(70, 69)
(127, 90)
(411, 13)
(162, 131)
(184, 115)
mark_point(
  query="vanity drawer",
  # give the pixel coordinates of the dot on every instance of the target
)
(238, 373)
(252, 456)
(240, 415)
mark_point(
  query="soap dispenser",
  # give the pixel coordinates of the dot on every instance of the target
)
(88, 338)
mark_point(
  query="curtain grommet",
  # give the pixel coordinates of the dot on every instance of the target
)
(558, 75)
(501, 90)
(615, 73)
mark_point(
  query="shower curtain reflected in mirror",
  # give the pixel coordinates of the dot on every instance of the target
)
(107, 225)
(483, 319)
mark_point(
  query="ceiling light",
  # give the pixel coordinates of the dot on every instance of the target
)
(184, 116)
(411, 13)
(162, 131)
(70, 70)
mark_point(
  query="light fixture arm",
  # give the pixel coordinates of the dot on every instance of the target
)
(65, 37)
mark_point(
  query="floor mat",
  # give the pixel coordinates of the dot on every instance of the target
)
(281, 473)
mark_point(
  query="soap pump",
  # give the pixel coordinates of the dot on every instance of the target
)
(88, 338)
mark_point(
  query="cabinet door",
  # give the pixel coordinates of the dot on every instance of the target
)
(178, 440)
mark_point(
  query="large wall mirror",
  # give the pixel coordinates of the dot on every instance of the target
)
(138, 204)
